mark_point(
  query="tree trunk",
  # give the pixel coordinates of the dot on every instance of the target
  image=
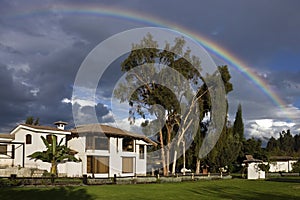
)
(174, 162)
(197, 166)
(163, 157)
(53, 168)
(183, 148)
(169, 132)
(168, 161)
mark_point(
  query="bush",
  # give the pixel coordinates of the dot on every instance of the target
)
(296, 167)
(8, 183)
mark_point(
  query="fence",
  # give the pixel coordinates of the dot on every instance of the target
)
(13, 180)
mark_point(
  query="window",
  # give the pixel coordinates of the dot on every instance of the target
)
(142, 151)
(28, 138)
(97, 142)
(98, 164)
(49, 138)
(117, 146)
(128, 144)
(89, 142)
(3, 149)
(127, 164)
(101, 143)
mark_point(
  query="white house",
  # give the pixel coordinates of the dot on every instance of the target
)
(253, 170)
(105, 151)
(281, 163)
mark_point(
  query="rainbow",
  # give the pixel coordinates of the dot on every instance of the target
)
(208, 44)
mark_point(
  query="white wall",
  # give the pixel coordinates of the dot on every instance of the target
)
(115, 154)
(36, 145)
(5, 160)
(141, 164)
(77, 169)
(254, 172)
(281, 166)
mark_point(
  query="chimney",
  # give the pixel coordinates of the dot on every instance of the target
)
(60, 125)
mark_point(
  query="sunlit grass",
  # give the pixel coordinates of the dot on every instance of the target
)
(217, 189)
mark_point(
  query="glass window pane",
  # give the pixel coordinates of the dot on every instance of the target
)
(141, 151)
(3, 149)
(128, 144)
(127, 164)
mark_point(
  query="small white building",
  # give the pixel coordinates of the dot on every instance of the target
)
(253, 170)
(281, 163)
(104, 151)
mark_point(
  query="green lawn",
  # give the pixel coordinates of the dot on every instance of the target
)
(216, 189)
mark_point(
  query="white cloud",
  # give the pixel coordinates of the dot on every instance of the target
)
(80, 102)
(264, 123)
(266, 128)
(19, 67)
(35, 91)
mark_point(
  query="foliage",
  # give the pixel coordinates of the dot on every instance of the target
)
(285, 145)
(253, 147)
(296, 167)
(55, 154)
(228, 144)
(30, 120)
(264, 167)
(238, 126)
(9, 183)
(144, 99)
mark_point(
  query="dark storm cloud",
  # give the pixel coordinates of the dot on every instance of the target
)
(253, 30)
(43, 52)
(14, 98)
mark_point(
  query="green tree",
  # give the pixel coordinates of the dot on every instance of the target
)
(287, 142)
(273, 146)
(37, 122)
(296, 167)
(253, 147)
(56, 153)
(145, 98)
(215, 157)
(238, 126)
(30, 120)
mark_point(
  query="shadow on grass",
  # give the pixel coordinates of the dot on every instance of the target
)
(229, 192)
(47, 193)
(290, 180)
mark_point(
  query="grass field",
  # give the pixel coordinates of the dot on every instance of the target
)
(216, 189)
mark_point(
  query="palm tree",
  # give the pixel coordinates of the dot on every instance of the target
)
(55, 154)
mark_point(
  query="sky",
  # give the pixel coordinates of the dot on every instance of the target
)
(44, 43)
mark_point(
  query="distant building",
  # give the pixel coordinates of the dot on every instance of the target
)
(252, 166)
(281, 163)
